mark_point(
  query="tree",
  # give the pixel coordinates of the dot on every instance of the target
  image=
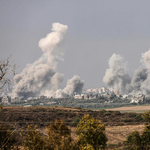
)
(58, 138)
(133, 141)
(6, 68)
(145, 143)
(32, 139)
(136, 142)
(91, 133)
(59, 135)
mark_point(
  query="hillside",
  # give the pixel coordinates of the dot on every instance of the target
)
(42, 116)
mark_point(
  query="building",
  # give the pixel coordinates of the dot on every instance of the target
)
(79, 97)
(15, 99)
(86, 96)
(6, 99)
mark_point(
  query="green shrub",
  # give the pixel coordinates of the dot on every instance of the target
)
(133, 141)
(111, 145)
(117, 112)
(139, 118)
(76, 121)
(126, 119)
(108, 113)
(131, 114)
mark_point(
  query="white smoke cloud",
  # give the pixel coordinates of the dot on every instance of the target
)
(53, 39)
(145, 85)
(117, 74)
(41, 75)
(140, 75)
(75, 84)
(146, 59)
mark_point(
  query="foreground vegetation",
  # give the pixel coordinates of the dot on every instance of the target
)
(90, 129)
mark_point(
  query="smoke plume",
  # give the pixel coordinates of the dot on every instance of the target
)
(140, 75)
(117, 74)
(42, 75)
(75, 84)
(145, 85)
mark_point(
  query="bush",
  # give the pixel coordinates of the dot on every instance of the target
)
(107, 113)
(91, 132)
(76, 121)
(139, 118)
(131, 114)
(117, 112)
(133, 141)
(126, 120)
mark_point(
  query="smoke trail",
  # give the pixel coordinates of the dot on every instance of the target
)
(117, 74)
(42, 75)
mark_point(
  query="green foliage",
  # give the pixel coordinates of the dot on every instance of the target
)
(32, 139)
(117, 112)
(145, 143)
(91, 132)
(139, 118)
(58, 138)
(126, 119)
(136, 142)
(1, 107)
(131, 114)
(133, 141)
(59, 135)
(146, 116)
(76, 121)
(108, 113)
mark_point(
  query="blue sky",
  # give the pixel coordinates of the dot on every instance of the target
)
(96, 30)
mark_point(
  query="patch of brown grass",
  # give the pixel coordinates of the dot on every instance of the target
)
(138, 109)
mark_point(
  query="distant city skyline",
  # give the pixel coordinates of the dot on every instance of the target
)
(96, 30)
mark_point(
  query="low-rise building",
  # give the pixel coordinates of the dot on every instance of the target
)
(15, 99)
(79, 96)
(6, 99)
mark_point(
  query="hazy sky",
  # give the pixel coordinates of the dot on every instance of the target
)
(96, 30)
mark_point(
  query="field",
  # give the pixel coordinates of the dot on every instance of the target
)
(136, 109)
(118, 125)
(116, 134)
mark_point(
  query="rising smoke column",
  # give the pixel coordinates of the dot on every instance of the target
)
(75, 84)
(117, 74)
(141, 79)
(140, 75)
(42, 75)
(145, 85)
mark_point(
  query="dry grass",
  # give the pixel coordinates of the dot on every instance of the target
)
(137, 109)
(115, 134)
(118, 134)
